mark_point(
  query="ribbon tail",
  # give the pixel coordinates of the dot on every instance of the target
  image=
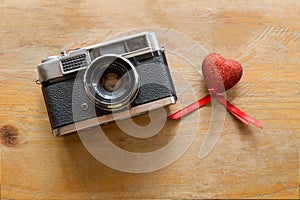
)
(224, 103)
(238, 113)
(190, 108)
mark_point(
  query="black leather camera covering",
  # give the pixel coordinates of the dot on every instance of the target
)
(155, 84)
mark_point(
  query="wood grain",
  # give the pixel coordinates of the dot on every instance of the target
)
(246, 162)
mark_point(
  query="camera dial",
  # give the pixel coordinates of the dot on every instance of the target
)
(111, 82)
(50, 58)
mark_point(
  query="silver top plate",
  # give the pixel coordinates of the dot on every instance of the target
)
(128, 46)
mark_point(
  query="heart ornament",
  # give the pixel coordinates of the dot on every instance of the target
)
(219, 75)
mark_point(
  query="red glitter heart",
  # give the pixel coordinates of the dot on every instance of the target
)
(220, 74)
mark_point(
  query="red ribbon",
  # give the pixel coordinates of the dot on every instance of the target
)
(243, 117)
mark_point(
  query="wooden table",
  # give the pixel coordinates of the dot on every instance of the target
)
(247, 162)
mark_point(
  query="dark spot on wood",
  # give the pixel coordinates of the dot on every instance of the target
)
(9, 135)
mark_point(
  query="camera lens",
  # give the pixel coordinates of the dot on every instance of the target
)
(111, 81)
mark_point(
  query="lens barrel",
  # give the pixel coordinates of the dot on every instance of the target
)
(111, 82)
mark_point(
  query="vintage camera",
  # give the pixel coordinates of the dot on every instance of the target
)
(108, 81)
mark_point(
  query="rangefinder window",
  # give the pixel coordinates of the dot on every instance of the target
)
(117, 48)
(137, 43)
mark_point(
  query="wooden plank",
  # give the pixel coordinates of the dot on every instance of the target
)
(246, 162)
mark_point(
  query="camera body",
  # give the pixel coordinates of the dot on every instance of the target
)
(108, 81)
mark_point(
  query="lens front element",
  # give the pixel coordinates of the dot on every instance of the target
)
(110, 81)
